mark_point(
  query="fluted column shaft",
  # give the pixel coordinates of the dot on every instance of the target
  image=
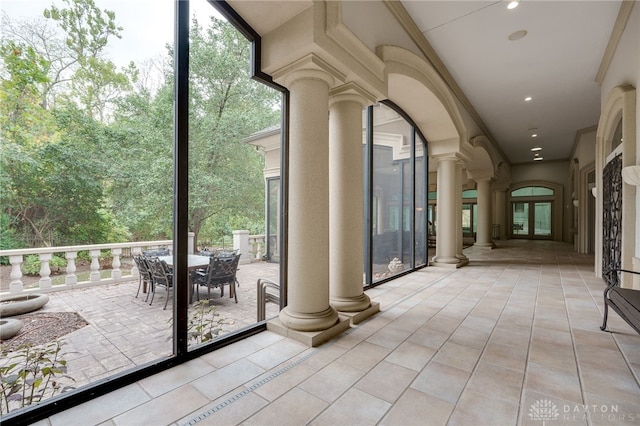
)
(346, 203)
(308, 306)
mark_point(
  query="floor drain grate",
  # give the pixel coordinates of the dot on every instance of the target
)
(253, 387)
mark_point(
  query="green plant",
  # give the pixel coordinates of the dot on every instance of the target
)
(31, 265)
(204, 322)
(31, 374)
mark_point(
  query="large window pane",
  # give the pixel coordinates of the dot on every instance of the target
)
(93, 128)
(227, 194)
(391, 171)
(421, 205)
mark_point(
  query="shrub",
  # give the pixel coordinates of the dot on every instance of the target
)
(204, 324)
(31, 374)
(31, 265)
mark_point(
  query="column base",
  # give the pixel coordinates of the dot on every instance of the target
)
(305, 321)
(310, 338)
(490, 245)
(358, 317)
(350, 304)
(458, 263)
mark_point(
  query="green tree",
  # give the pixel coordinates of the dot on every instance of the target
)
(225, 175)
(53, 167)
(225, 107)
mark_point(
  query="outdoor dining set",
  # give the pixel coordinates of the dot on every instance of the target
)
(209, 268)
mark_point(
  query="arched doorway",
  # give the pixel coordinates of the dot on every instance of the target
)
(536, 211)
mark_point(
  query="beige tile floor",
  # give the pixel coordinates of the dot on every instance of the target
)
(511, 339)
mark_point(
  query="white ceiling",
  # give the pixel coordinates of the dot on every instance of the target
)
(555, 63)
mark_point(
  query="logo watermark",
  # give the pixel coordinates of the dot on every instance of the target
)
(545, 410)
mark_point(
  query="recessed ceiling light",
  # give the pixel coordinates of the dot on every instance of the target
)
(536, 155)
(536, 148)
(513, 5)
(537, 159)
(535, 135)
(528, 98)
(517, 35)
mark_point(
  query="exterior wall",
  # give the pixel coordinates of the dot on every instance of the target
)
(624, 70)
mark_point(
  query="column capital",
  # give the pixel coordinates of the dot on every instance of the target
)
(310, 66)
(351, 92)
(449, 157)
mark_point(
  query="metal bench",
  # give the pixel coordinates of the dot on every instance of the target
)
(625, 301)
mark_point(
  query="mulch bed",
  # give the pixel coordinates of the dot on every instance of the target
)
(43, 327)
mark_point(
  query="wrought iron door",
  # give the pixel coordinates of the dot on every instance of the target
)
(612, 214)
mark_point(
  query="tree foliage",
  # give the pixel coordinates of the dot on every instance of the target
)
(87, 149)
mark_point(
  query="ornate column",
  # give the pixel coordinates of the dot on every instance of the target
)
(346, 203)
(308, 306)
(446, 234)
(499, 208)
(461, 180)
(483, 236)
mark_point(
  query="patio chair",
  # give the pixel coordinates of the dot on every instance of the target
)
(221, 271)
(162, 277)
(144, 275)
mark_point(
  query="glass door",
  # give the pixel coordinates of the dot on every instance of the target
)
(542, 219)
(532, 219)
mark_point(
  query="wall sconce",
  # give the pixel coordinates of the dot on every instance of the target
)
(594, 192)
(575, 203)
(631, 175)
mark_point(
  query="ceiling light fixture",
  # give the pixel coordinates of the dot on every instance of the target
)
(513, 5)
(517, 35)
(535, 135)
(537, 159)
(536, 148)
(528, 99)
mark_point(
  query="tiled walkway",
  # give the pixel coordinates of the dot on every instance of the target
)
(513, 338)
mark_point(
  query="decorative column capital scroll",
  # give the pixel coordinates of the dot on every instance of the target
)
(351, 92)
(312, 67)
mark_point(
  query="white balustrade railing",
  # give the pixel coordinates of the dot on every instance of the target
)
(45, 254)
(253, 246)
(257, 247)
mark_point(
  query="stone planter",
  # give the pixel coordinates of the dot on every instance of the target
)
(9, 328)
(21, 304)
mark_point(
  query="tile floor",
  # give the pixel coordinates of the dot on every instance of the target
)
(511, 339)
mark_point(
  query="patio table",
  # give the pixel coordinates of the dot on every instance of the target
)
(194, 262)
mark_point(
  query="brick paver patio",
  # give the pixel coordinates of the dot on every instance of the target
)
(125, 331)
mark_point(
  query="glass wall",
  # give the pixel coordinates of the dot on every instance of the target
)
(273, 219)
(397, 187)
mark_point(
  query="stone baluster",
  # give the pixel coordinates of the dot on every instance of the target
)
(71, 278)
(115, 263)
(134, 252)
(95, 265)
(16, 286)
(259, 249)
(45, 270)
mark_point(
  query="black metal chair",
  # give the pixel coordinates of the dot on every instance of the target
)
(221, 271)
(162, 277)
(144, 275)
